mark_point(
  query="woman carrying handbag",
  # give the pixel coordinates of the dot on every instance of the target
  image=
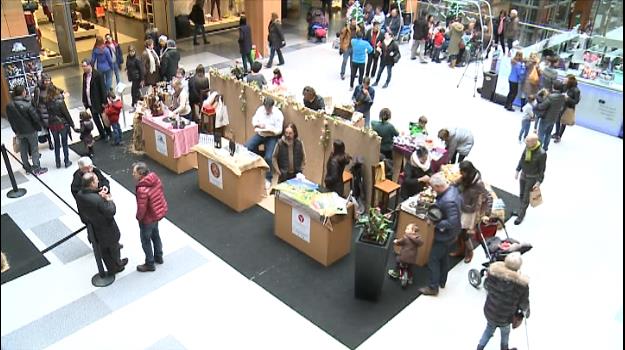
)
(572, 96)
(59, 122)
(276, 40)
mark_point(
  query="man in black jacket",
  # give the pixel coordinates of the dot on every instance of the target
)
(197, 16)
(94, 96)
(508, 294)
(419, 37)
(312, 100)
(531, 169)
(445, 232)
(549, 111)
(374, 37)
(25, 124)
(98, 211)
(85, 166)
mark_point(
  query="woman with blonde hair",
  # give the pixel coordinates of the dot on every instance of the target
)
(531, 85)
(517, 74)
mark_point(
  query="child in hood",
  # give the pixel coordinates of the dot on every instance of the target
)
(408, 251)
(86, 126)
(112, 110)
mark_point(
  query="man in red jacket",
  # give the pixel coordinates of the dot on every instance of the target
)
(151, 208)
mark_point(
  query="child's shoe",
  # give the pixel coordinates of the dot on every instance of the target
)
(394, 274)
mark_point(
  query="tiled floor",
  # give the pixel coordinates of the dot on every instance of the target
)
(197, 301)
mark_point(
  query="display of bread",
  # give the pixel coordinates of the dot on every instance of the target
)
(451, 172)
(427, 197)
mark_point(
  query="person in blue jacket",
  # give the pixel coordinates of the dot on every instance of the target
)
(102, 61)
(517, 75)
(360, 49)
(448, 200)
(117, 56)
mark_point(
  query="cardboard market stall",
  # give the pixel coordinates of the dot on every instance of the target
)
(170, 147)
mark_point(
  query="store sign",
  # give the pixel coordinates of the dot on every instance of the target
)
(16, 48)
(161, 142)
(215, 174)
(300, 224)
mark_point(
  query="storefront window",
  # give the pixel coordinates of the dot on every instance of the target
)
(219, 14)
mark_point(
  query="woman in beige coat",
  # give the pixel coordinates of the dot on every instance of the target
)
(456, 29)
(531, 87)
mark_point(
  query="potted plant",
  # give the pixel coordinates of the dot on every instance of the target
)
(372, 251)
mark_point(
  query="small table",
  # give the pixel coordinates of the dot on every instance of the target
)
(168, 146)
(237, 181)
(426, 231)
(309, 235)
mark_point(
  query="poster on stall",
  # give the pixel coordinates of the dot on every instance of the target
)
(161, 142)
(300, 224)
(215, 174)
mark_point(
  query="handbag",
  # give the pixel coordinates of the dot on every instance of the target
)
(568, 117)
(221, 115)
(536, 198)
(533, 78)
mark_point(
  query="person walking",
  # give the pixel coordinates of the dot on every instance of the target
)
(94, 94)
(421, 31)
(511, 30)
(508, 295)
(373, 37)
(362, 98)
(97, 210)
(530, 172)
(389, 51)
(276, 40)
(267, 123)
(549, 111)
(39, 101)
(345, 44)
(499, 25)
(151, 64)
(197, 16)
(445, 233)
(387, 132)
(517, 75)
(572, 96)
(25, 123)
(458, 142)
(101, 59)
(477, 204)
(169, 61)
(289, 156)
(117, 56)
(59, 123)
(333, 180)
(360, 49)
(245, 44)
(151, 208)
(136, 75)
(528, 116)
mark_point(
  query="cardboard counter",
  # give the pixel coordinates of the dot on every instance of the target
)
(162, 144)
(310, 236)
(425, 230)
(238, 183)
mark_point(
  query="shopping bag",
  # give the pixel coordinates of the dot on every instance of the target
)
(568, 117)
(221, 115)
(536, 198)
(99, 11)
(533, 78)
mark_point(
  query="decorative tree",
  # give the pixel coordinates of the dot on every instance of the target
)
(356, 12)
(324, 140)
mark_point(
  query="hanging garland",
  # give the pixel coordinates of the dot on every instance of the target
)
(243, 100)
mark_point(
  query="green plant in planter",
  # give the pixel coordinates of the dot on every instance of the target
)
(377, 227)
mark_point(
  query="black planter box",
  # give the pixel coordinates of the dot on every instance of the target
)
(370, 269)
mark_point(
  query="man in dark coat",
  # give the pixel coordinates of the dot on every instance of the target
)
(276, 41)
(85, 165)
(98, 210)
(94, 96)
(508, 294)
(169, 61)
(419, 37)
(197, 16)
(445, 232)
(549, 111)
(25, 124)
(531, 169)
(245, 44)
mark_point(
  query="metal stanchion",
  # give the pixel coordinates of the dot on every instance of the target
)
(15, 192)
(100, 279)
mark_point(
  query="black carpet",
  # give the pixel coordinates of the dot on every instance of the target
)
(21, 253)
(246, 241)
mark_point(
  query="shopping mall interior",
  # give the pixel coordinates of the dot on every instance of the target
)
(237, 273)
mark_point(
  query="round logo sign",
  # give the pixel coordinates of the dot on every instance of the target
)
(215, 170)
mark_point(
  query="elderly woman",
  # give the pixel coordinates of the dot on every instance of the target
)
(417, 173)
(477, 204)
(181, 105)
(531, 84)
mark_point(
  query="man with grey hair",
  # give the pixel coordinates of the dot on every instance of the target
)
(151, 208)
(85, 165)
(445, 232)
(97, 210)
(508, 295)
(268, 123)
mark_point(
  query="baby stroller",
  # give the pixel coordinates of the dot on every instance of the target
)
(495, 248)
(317, 25)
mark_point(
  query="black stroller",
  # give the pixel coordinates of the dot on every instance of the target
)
(495, 248)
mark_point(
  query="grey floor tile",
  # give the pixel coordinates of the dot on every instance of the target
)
(19, 179)
(52, 231)
(167, 343)
(32, 211)
(57, 325)
(138, 284)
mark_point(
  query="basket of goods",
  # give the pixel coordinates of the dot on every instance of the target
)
(426, 198)
(343, 111)
(451, 172)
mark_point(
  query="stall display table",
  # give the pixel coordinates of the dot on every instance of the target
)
(403, 152)
(237, 181)
(426, 230)
(170, 147)
(325, 239)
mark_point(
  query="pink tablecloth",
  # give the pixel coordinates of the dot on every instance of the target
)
(183, 139)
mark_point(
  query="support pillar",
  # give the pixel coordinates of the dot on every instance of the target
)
(258, 14)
